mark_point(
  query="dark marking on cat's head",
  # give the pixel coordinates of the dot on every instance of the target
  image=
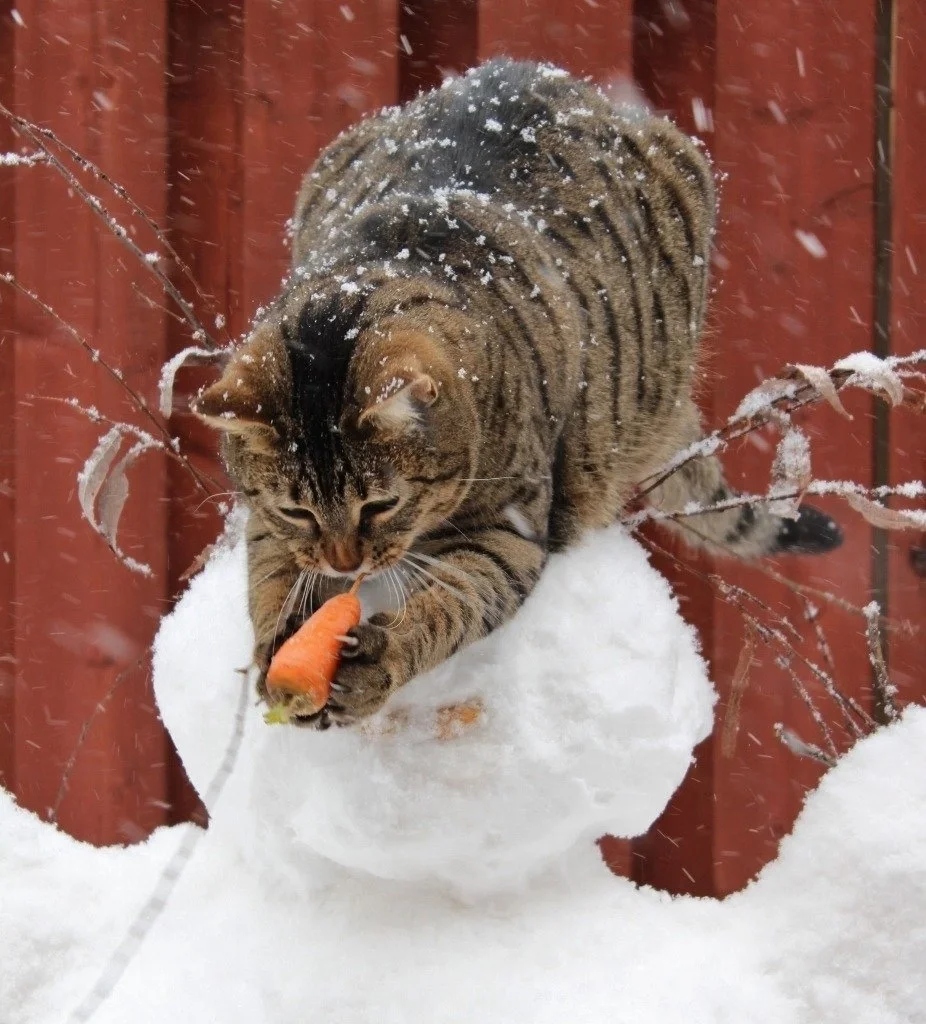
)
(364, 415)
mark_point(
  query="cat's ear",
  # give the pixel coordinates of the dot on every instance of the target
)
(401, 404)
(245, 397)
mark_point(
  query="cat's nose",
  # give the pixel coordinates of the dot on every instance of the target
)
(344, 555)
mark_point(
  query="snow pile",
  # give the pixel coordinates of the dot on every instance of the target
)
(587, 708)
(295, 907)
(832, 932)
(64, 907)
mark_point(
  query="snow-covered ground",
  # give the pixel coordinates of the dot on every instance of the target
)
(422, 870)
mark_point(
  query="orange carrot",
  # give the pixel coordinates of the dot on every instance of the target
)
(304, 666)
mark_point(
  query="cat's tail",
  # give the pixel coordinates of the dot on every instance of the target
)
(743, 529)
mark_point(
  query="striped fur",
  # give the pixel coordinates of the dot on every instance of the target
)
(488, 339)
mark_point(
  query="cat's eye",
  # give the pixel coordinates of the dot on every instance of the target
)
(371, 509)
(297, 514)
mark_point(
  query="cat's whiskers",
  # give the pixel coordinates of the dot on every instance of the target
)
(397, 588)
(307, 594)
(421, 571)
(431, 560)
(281, 567)
(287, 607)
(390, 584)
(214, 497)
(492, 479)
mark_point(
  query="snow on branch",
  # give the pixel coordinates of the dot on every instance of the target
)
(45, 139)
(115, 374)
(791, 472)
(860, 498)
(885, 690)
(22, 159)
(800, 385)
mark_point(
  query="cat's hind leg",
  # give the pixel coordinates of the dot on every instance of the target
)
(746, 530)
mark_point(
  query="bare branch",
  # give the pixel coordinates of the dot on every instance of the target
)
(36, 135)
(98, 709)
(167, 881)
(794, 388)
(885, 690)
(801, 748)
(737, 689)
(140, 404)
(97, 172)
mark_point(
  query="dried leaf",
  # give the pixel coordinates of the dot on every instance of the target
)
(92, 477)
(169, 373)
(102, 489)
(820, 379)
(886, 518)
(115, 490)
(874, 374)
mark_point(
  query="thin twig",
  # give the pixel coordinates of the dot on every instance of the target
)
(774, 637)
(885, 690)
(737, 689)
(812, 615)
(801, 748)
(154, 906)
(98, 709)
(797, 392)
(200, 332)
(140, 404)
(846, 703)
(91, 168)
(95, 416)
(784, 663)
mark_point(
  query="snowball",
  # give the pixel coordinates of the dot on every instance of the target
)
(589, 704)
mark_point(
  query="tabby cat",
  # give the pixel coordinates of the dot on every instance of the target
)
(487, 340)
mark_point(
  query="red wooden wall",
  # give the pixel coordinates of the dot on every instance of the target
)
(210, 112)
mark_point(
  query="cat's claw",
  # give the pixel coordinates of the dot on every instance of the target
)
(365, 677)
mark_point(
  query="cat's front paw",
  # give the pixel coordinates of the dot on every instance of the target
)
(367, 675)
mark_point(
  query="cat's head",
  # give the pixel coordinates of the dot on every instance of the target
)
(350, 442)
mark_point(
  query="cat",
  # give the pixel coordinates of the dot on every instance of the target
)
(488, 338)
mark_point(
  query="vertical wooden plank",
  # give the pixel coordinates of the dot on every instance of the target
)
(255, 91)
(674, 53)
(7, 409)
(907, 550)
(589, 37)
(437, 38)
(673, 61)
(82, 621)
(793, 124)
(204, 215)
(310, 70)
